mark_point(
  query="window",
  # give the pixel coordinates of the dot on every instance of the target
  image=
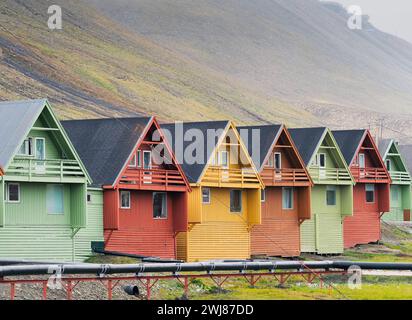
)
(26, 148)
(213, 161)
(55, 199)
(13, 192)
(263, 196)
(370, 193)
(89, 197)
(132, 163)
(40, 148)
(147, 160)
(139, 159)
(287, 198)
(389, 164)
(322, 160)
(278, 160)
(125, 199)
(269, 163)
(235, 201)
(224, 159)
(331, 195)
(362, 163)
(206, 195)
(159, 205)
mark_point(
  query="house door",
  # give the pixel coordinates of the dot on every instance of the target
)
(147, 165)
(40, 165)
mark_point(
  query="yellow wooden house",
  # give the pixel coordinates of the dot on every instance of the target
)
(224, 203)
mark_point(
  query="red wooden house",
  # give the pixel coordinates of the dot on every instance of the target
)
(372, 189)
(286, 200)
(145, 199)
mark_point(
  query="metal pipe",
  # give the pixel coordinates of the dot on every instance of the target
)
(136, 256)
(373, 265)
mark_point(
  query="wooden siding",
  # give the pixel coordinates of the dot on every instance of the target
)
(195, 205)
(140, 233)
(399, 203)
(111, 209)
(78, 205)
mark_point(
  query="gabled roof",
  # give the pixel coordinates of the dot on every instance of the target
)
(384, 146)
(268, 137)
(194, 171)
(406, 151)
(19, 118)
(307, 140)
(349, 142)
(105, 145)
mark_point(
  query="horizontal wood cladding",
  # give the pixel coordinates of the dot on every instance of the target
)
(218, 240)
(111, 209)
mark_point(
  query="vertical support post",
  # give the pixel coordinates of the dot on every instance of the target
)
(44, 290)
(69, 290)
(109, 290)
(12, 290)
(148, 289)
(186, 284)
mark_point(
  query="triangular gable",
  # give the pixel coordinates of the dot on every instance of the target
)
(393, 149)
(22, 116)
(368, 138)
(243, 149)
(152, 124)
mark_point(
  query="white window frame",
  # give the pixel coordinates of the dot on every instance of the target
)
(390, 164)
(263, 196)
(208, 196)
(331, 188)
(8, 192)
(35, 147)
(324, 156)
(150, 159)
(167, 213)
(130, 199)
(362, 156)
(280, 160)
(293, 198)
(27, 146)
(139, 159)
(374, 192)
(221, 157)
(133, 162)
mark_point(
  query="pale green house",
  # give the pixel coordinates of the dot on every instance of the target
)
(401, 181)
(332, 194)
(47, 212)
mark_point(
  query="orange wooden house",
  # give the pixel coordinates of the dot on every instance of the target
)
(286, 200)
(371, 194)
(145, 198)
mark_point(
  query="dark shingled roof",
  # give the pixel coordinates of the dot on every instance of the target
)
(18, 117)
(349, 141)
(384, 145)
(406, 151)
(104, 145)
(268, 134)
(306, 141)
(194, 171)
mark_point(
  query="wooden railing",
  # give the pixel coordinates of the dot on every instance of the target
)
(217, 176)
(325, 175)
(372, 174)
(400, 177)
(277, 176)
(45, 168)
(140, 178)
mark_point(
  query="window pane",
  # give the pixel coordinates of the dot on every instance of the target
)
(159, 205)
(263, 196)
(322, 160)
(147, 159)
(55, 199)
(139, 159)
(331, 196)
(40, 149)
(133, 161)
(235, 201)
(14, 192)
(125, 199)
(287, 198)
(205, 195)
(278, 161)
(362, 160)
(224, 161)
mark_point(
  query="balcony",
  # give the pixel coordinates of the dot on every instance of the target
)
(33, 170)
(235, 178)
(333, 176)
(285, 177)
(370, 175)
(400, 177)
(153, 179)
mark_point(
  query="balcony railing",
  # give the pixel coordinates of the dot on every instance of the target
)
(217, 176)
(370, 174)
(33, 168)
(400, 177)
(152, 178)
(327, 175)
(279, 176)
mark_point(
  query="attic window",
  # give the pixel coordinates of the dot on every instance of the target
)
(389, 164)
(26, 149)
(132, 163)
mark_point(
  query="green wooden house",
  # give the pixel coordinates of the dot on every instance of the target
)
(47, 212)
(401, 181)
(332, 194)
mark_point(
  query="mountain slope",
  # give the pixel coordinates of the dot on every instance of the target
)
(294, 49)
(95, 67)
